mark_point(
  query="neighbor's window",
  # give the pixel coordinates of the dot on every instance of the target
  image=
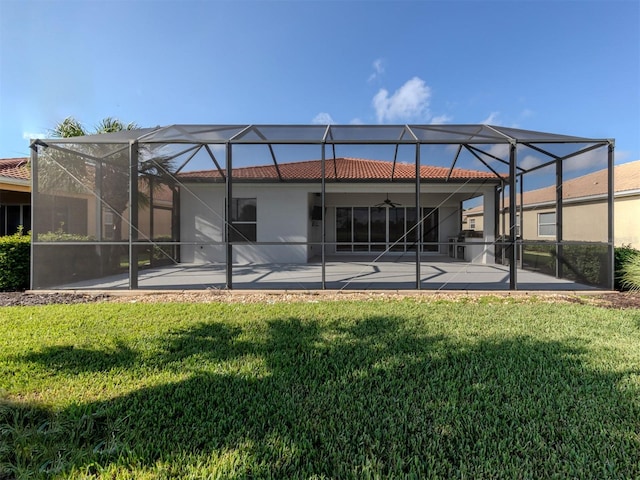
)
(472, 224)
(243, 220)
(547, 224)
(14, 216)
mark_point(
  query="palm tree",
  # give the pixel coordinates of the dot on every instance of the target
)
(70, 127)
(109, 177)
(112, 174)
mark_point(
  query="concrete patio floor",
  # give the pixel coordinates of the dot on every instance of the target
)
(436, 273)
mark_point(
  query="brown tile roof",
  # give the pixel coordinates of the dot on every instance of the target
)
(15, 168)
(354, 169)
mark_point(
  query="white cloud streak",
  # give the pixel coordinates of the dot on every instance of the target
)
(30, 135)
(492, 119)
(440, 119)
(323, 118)
(378, 69)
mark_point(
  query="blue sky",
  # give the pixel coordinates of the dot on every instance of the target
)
(569, 67)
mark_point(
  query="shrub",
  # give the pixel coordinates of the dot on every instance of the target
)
(14, 261)
(623, 256)
(586, 263)
(630, 278)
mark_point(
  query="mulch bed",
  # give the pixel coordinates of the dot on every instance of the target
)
(607, 300)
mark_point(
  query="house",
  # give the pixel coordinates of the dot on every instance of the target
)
(364, 213)
(585, 200)
(15, 195)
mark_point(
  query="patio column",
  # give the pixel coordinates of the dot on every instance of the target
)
(559, 221)
(34, 193)
(133, 215)
(227, 223)
(489, 228)
(323, 232)
(610, 214)
(418, 219)
(513, 266)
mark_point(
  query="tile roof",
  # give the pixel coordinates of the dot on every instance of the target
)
(15, 168)
(626, 178)
(354, 169)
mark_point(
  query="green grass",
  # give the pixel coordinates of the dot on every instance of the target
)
(494, 388)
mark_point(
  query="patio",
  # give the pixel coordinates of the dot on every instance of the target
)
(437, 273)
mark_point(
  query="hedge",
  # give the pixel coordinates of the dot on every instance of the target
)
(14, 262)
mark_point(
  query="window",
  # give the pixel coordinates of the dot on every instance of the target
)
(243, 220)
(472, 224)
(547, 224)
(14, 216)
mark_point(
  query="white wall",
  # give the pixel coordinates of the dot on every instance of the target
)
(283, 215)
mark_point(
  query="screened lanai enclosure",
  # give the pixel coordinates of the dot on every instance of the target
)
(308, 207)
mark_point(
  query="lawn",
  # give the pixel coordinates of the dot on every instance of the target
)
(475, 388)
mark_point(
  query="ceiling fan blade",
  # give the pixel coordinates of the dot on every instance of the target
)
(387, 202)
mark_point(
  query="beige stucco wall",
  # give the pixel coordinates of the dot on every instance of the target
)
(585, 222)
(588, 222)
(627, 221)
(479, 222)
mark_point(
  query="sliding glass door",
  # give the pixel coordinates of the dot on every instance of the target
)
(378, 229)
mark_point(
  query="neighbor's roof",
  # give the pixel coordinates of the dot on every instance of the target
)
(591, 186)
(346, 169)
(626, 178)
(15, 168)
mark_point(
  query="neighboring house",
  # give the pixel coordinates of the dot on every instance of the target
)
(585, 201)
(69, 213)
(364, 213)
(15, 195)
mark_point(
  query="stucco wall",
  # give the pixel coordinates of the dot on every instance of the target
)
(627, 221)
(283, 215)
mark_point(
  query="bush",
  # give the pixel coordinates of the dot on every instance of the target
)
(623, 256)
(630, 274)
(14, 261)
(586, 263)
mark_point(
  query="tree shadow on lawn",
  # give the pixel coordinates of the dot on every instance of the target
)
(343, 401)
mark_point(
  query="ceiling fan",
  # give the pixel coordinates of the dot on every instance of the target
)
(388, 203)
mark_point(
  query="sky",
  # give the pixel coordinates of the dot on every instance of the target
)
(568, 67)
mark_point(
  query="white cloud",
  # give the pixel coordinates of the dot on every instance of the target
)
(592, 160)
(440, 119)
(378, 69)
(492, 119)
(530, 161)
(499, 150)
(586, 162)
(409, 102)
(323, 118)
(356, 121)
(30, 135)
